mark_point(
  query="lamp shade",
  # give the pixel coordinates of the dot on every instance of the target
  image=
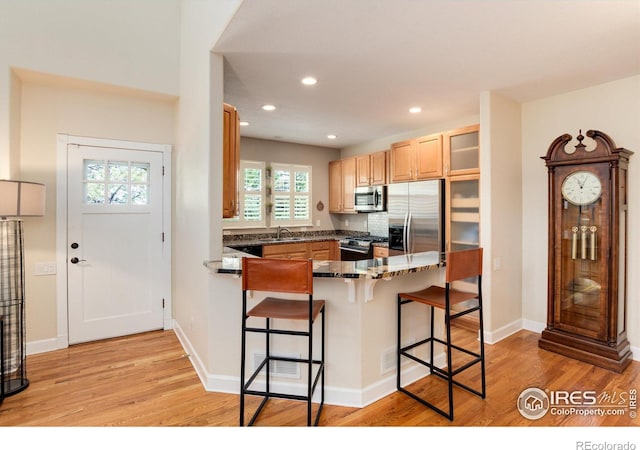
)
(21, 198)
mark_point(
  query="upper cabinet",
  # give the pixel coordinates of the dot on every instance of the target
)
(230, 161)
(342, 184)
(335, 186)
(462, 151)
(462, 170)
(416, 159)
(371, 170)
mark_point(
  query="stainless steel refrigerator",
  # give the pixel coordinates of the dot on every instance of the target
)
(416, 216)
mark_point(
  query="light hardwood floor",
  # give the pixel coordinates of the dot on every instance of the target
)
(146, 380)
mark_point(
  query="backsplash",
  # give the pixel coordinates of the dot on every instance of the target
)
(237, 237)
(378, 224)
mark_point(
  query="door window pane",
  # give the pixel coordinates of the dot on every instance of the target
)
(128, 182)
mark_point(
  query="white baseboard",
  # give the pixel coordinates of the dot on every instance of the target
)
(46, 345)
(356, 398)
(491, 337)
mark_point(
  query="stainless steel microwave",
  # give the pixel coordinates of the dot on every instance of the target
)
(371, 198)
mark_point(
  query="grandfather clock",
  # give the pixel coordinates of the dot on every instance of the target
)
(587, 271)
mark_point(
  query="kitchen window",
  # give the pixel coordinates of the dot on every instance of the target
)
(291, 195)
(252, 197)
(281, 192)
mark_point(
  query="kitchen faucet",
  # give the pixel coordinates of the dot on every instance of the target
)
(280, 230)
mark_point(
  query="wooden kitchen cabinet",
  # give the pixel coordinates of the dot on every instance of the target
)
(323, 250)
(416, 159)
(335, 186)
(461, 151)
(230, 161)
(296, 250)
(402, 161)
(371, 169)
(363, 170)
(380, 252)
(342, 184)
(378, 169)
(429, 157)
(348, 184)
(320, 250)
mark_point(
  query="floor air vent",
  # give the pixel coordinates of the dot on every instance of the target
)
(286, 369)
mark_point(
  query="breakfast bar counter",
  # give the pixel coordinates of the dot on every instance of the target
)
(370, 270)
(376, 268)
(361, 313)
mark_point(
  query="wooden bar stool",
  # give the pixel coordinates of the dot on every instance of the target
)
(459, 266)
(289, 276)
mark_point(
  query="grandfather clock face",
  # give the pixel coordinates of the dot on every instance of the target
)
(582, 224)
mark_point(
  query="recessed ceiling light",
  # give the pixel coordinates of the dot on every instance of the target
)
(415, 109)
(309, 81)
(331, 136)
(268, 107)
(243, 123)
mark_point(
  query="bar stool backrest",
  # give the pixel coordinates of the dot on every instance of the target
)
(278, 275)
(463, 264)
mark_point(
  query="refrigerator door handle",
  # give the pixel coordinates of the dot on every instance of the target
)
(409, 236)
(405, 234)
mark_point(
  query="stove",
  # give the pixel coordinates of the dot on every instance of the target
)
(356, 248)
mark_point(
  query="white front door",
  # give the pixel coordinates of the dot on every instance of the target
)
(114, 242)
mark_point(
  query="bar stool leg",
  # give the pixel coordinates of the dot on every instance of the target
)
(309, 369)
(431, 349)
(398, 341)
(447, 318)
(481, 324)
(242, 357)
(268, 355)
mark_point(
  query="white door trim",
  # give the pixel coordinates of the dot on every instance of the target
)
(63, 141)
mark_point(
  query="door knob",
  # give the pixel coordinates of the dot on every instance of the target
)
(75, 260)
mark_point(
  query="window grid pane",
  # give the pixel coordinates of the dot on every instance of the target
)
(301, 207)
(252, 179)
(302, 181)
(253, 208)
(281, 207)
(282, 181)
(128, 182)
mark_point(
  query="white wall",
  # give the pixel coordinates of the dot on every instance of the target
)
(103, 69)
(613, 108)
(198, 182)
(120, 42)
(501, 214)
(52, 105)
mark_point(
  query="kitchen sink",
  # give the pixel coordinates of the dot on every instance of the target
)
(283, 239)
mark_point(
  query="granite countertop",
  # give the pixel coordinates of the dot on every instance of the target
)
(376, 268)
(243, 240)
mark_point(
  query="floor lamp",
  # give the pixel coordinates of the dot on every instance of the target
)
(17, 199)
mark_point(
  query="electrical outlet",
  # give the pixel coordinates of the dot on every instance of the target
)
(45, 268)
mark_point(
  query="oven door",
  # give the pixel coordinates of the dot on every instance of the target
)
(396, 238)
(355, 254)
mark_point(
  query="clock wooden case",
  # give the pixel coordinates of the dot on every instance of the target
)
(587, 272)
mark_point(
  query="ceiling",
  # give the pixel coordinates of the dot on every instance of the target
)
(376, 58)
